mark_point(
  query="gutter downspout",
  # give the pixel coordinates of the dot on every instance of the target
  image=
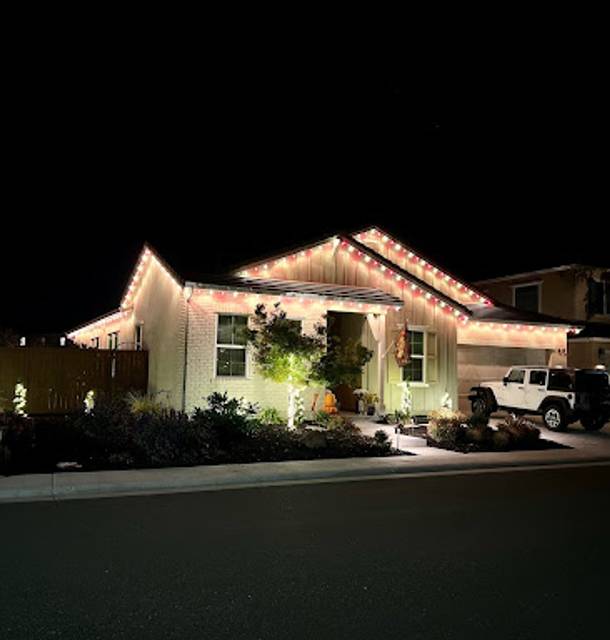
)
(188, 292)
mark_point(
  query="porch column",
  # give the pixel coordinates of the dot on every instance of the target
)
(377, 324)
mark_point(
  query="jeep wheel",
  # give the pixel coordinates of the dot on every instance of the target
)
(554, 417)
(592, 423)
(479, 407)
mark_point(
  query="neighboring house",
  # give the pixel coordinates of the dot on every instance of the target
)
(577, 293)
(371, 284)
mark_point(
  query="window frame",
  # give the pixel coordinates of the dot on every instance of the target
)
(218, 345)
(112, 336)
(525, 285)
(424, 357)
(95, 342)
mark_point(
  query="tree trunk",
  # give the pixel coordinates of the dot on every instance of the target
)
(293, 392)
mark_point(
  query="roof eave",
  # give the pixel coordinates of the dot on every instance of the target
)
(406, 275)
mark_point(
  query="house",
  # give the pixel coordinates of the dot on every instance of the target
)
(372, 287)
(575, 292)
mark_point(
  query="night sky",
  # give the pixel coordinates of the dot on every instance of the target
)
(217, 168)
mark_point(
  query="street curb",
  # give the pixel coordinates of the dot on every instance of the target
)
(60, 487)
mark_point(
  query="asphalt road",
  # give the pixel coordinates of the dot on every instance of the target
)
(512, 555)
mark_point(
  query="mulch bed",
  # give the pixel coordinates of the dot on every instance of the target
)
(474, 447)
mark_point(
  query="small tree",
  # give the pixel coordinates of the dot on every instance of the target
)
(284, 354)
(342, 363)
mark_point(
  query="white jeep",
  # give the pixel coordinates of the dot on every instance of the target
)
(561, 396)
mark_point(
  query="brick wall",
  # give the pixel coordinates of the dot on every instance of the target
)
(201, 380)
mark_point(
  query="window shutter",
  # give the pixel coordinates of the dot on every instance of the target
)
(431, 357)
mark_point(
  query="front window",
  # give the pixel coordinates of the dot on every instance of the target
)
(414, 371)
(231, 346)
(527, 297)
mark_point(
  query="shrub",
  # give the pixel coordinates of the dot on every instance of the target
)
(478, 421)
(140, 404)
(501, 440)
(347, 441)
(227, 419)
(313, 439)
(520, 431)
(478, 430)
(270, 416)
(170, 439)
(446, 427)
(381, 437)
(334, 421)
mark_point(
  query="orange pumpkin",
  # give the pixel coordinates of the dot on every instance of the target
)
(330, 402)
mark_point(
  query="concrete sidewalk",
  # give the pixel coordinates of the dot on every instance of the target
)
(586, 448)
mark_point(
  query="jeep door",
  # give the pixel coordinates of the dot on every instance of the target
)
(512, 392)
(535, 388)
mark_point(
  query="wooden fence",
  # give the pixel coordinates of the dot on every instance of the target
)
(58, 379)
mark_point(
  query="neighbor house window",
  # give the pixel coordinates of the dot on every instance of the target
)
(231, 346)
(415, 370)
(138, 337)
(113, 340)
(599, 298)
(527, 297)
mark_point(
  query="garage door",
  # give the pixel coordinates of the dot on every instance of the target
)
(477, 364)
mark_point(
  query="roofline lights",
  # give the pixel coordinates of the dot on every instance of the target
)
(522, 328)
(290, 298)
(370, 262)
(147, 257)
(104, 320)
(399, 248)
